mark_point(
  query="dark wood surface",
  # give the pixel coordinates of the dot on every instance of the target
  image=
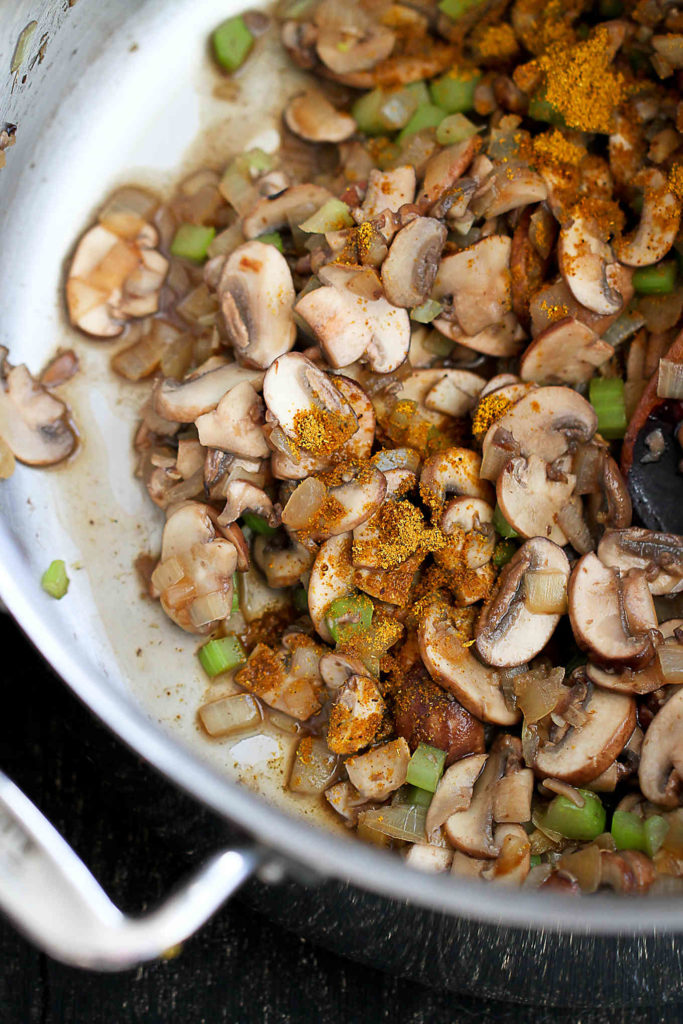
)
(139, 835)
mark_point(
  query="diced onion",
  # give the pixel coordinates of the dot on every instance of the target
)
(304, 503)
(538, 692)
(314, 768)
(622, 328)
(210, 607)
(167, 573)
(400, 821)
(670, 655)
(670, 379)
(230, 715)
(141, 359)
(199, 307)
(585, 865)
(545, 592)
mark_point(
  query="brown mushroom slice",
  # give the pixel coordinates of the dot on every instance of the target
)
(455, 471)
(356, 715)
(512, 796)
(471, 830)
(454, 790)
(353, 500)
(409, 270)
(501, 340)
(472, 517)
(508, 633)
(478, 280)
(346, 52)
(193, 579)
(423, 713)
(661, 756)
(612, 617)
(659, 222)
(455, 393)
(555, 299)
(451, 664)
(336, 667)
(273, 213)
(235, 424)
(445, 168)
(381, 771)
(587, 265)
(240, 496)
(432, 859)
(311, 116)
(660, 555)
(543, 423)
(295, 389)
(33, 423)
(530, 501)
(567, 352)
(331, 577)
(388, 190)
(184, 401)
(513, 861)
(346, 801)
(282, 564)
(507, 189)
(285, 679)
(636, 681)
(340, 322)
(256, 296)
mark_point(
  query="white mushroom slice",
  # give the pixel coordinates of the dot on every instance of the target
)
(587, 265)
(660, 555)
(336, 668)
(33, 423)
(256, 296)
(501, 340)
(453, 471)
(508, 633)
(240, 496)
(612, 617)
(194, 576)
(331, 577)
(470, 519)
(357, 50)
(286, 679)
(444, 168)
(661, 756)
(455, 393)
(356, 715)
(312, 117)
(567, 352)
(471, 830)
(381, 771)
(351, 502)
(184, 401)
(390, 340)
(557, 295)
(542, 423)
(273, 213)
(346, 800)
(659, 222)
(587, 750)
(507, 189)
(451, 664)
(388, 190)
(409, 270)
(530, 501)
(478, 280)
(628, 680)
(454, 790)
(235, 424)
(513, 861)
(283, 566)
(340, 322)
(432, 859)
(512, 796)
(294, 387)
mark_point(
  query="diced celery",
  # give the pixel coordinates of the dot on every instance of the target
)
(191, 242)
(425, 767)
(332, 216)
(55, 581)
(654, 833)
(348, 616)
(606, 395)
(454, 91)
(427, 115)
(455, 9)
(258, 524)
(503, 552)
(541, 110)
(221, 655)
(659, 279)
(232, 42)
(272, 238)
(455, 128)
(627, 831)
(573, 822)
(426, 312)
(501, 525)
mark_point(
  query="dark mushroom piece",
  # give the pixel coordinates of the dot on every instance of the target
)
(661, 757)
(659, 555)
(409, 270)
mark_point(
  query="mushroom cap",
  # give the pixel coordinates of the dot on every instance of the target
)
(567, 352)
(311, 116)
(455, 392)
(612, 617)
(507, 189)
(659, 222)
(409, 270)
(33, 423)
(331, 577)
(256, 296)
(530, 501)
(501, 339)
(478, 280)
(454, 471)
(542, 423)
(661, 755)
(273, 212)
(184, 401)
(388, 190)
(381, 771)
(241, 495)
(340, 322)
(452, 666)
(454, 790)
(234, 426)
(346, 53)
(637, 548)
(355, 499)
(293, 385)
(471, 830)
(587, 265)
(444, 168)
(282, 566)
(507, 632)
(336, 667)
(636, 681)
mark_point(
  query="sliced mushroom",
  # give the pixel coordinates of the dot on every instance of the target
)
(307, 405)
(507, 189)
(33, 423)
(336, 667)
(381, 771)
(478, 281)
(346, 801)
(444, 169)
(455, 393)
(659, 222)
(453, 471)
(512, 796)
(661, 756)
(530, 500)
(409, 270)
(256, 296)
(513, 861)
(470, 521)
(282, 563)
(659, 555)
(508, 633)
(588, 266)
(235, 424)
(587, 749)
(346, 52)
(356, 715)
(567, 352)
(454, 790)
(432, 859)
(451, 664)
(331, 577)
(543, 422)
(612, 617)
(286, 679)
(471, 830)
(240, 496)
(194, 576)
(184, 401)
(423, 713)
(274, 212)
(555, 298)
(500, 340)
(357, 493)
(636, 681)
(312, 117)
(388, 190)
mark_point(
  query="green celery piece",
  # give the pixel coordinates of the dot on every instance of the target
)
(258, 524)
(455, 9)
(191, 242)
(455, 128)
(574, 822)
(425, 767)
(659, 279)
(503, 552)
(454, 91)
(348, 616)
(55, 581)
(221, 655)
(232, 42)
(332, 216)
(426, 116)
(654, 833)
(501, 525)
(606, 395)
(627, 831)
(272, 238)
(426, 312)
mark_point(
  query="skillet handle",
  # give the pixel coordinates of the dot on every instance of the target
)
(50, 896)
